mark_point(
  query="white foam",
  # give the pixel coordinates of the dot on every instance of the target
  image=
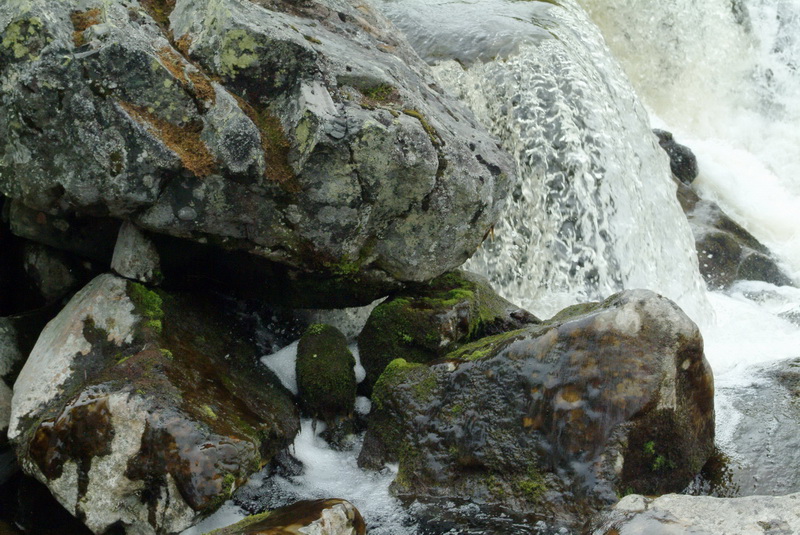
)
(282, 363)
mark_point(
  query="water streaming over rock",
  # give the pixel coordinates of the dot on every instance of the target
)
(587, 216)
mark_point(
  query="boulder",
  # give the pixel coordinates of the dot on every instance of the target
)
(326, 380)
(428, 321)
(145, 409)
(318, 517)
(554, 419)
(725, 250)
(306, 134)
(135, 256)
(702, 515)
(682, 160)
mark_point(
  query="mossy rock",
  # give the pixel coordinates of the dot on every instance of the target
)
(428, 321)
(326, 380)
(317, 516)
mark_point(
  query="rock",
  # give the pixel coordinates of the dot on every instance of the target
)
(702, 515)
(135, 256)
(319, 517)
(326, 380)
(144, 409)
(309, 135)
(553, 419)
(87, 237)
(725, 250)
(682, 160)
(762, 440)
(428, 321)
(56, 274)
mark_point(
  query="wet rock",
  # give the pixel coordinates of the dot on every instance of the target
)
(702, 515)
(763, 437)
(726, 251)
(319, 517)
(56, 274)
(309, 135)
(326, 380)
(555, 419)
(428, 321)
(682, 160)
(143, 409)
(135, 256)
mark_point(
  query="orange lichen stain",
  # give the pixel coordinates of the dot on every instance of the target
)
(81, 20)
(159, 10)
(570, 394)
(274, 144)
(182, 140)
(183, 44)
(191, 79)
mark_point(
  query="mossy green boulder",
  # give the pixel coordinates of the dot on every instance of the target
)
(326, 380)
(427, 321)
(553, 419)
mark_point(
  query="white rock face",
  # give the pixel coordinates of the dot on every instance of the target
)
(135, 257)
(62, 341)
(675, 514)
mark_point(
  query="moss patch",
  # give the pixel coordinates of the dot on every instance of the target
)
(81, 20)
(194, 82)
(159, 10)
(325, 377)
(182, 140)
(275, 144)
(23, 38)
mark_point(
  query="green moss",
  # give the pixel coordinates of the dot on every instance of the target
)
(532, 487)
(209, 412)
(490, 345)
(147, 302)
(312, 39)
(430, 130)
(167, 353)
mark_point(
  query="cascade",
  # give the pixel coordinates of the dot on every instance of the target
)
(594, 209)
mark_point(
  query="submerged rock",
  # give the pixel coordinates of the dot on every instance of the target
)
(682, 160)
(145, 410)
(702, 515)
(555, 418)
(319, 517)
(428, 321)
(326, 380)
(725, 250)
(306, 134)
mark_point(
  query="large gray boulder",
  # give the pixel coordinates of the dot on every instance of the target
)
(308, 134)
(555, 419)
(702, 515)
(145, 410)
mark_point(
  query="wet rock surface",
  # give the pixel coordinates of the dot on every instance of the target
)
(429, 321)
(145, 410)
(725, 250)
(318, 517)
(309, 135)
(702, 515)
(555, 419)
(762, 444)
(682, 161)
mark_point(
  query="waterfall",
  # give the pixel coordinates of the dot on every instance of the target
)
(725, 75)
(587, 214)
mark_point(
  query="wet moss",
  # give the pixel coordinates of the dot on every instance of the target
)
(436, 140)
(325, 377)
(148, 304)
(490, 345)
(183, 140)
